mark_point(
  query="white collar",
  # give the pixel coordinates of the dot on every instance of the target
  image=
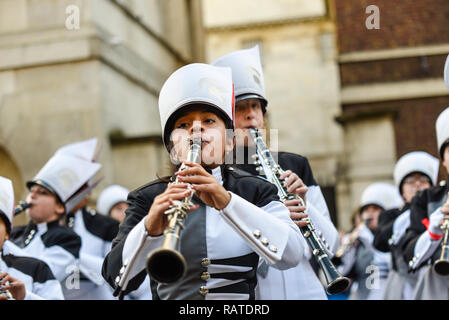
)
(217, 174)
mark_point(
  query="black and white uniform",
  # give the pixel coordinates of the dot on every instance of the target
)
(284, 284)
(389, 237)
(421, 250)
(56, 245)
(40, 283)
(367, 266)
(221, 248)
(96, 232)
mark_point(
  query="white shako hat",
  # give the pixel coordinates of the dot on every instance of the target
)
(247, 73)
(442, 130)
(196, 84)
(416, 161)
(68, 170)
(6, 202)
(109, 197)
(381, 194)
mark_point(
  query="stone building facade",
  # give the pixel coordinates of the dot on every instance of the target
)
(76, 69)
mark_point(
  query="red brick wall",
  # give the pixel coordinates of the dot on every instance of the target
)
(403, 23)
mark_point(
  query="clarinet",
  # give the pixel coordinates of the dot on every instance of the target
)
(21, 207)
(167, 264)
(335, 282)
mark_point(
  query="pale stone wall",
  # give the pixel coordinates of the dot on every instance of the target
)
(369, 157)
(58, 86)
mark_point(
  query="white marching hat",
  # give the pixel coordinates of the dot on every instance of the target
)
(442, 129)
(109, 197)
(247, 73)
(381, 194)
(196, 83)
(7, 199)
(69, 169)
(417, 161)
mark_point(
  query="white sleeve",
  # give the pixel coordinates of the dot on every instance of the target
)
(424, 249)
(268, 230)
(60, 261)
(91, 266)
(135, 250)
(49, 290)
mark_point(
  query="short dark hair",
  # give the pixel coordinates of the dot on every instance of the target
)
(6, 221)
(443, 148)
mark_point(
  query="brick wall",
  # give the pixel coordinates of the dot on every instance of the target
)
(403, 23)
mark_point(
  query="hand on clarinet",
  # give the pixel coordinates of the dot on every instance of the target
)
(157, 220)
(294, 184)
(206, 187)
(13, 285)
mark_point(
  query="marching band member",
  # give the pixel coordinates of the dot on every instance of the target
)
(56, 189)
(236, 219)
(415, 171)
(367, 266)
(95, 230)
(24, 277)
(422, 244)
(251, 106)
(112, 202)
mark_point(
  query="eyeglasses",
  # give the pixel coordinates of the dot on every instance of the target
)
(413, 180)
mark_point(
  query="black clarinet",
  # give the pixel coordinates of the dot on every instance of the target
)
(335, 282)
(21, 207)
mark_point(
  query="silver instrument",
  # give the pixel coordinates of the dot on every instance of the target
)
(335, 282)
(167, 264)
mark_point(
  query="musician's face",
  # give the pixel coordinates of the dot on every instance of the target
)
(371, 213)
(118, 211)
(44, 205)
(248, 114)
(210, 127)
(3, 234)
(412, 184)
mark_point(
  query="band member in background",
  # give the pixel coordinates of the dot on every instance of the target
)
(422, 245)
(112, 202)
(415, 171)
(251, 106)
(367, 266)
(55, 190)
(25, 278)
(236, 218)
(95, 230)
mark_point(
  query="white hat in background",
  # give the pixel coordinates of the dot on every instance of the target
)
(417, 161)
(442, 130)
(382, 194)
(200, 84)
(247, 73)
(109, 197)
(68, 170)
(7, 201)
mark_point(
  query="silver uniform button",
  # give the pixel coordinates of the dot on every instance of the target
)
(204, 290)
(205, 276)
(205, 262)
(273, 248)
(265, 241)
(117, 280)
(257, 233)
(122, 270)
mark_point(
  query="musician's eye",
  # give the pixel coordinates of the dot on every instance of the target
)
(182, 125)
(209, 121)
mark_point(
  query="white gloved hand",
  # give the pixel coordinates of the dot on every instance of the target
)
(434, 222)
